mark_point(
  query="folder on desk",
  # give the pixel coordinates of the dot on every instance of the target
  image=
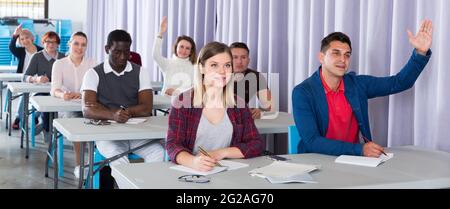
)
(228, 165)
(284, 172)
(364, 161)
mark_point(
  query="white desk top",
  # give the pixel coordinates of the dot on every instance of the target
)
(11, 76)
(53, 104)
(75, 130)
(156, 127)
(7, 69)
(161, 102)
(28, 87)
(411, 167)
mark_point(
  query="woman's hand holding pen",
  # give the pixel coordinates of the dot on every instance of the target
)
(203, 163)
(218, 154)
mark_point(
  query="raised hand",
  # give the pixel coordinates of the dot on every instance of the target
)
(18, 30)
(424, 37)
(163, 27)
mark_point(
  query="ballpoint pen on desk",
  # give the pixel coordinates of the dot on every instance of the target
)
(206, 154)
(367, 140)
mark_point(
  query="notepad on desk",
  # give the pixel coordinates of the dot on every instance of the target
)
(364, 161)
(227, 165)
(284, 172)
(132, 121)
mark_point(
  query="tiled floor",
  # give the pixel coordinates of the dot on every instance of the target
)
(16, 172)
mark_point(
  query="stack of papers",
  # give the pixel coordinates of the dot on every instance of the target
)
(227, 166)
(283, 172)
(364, 161)
(132, 121)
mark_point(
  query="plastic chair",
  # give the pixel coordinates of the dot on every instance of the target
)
(293, 139)
(5, 32)
(98, 158)
(64, 30)
(5, 37)
(27, 24)
(60, 153)
(135, 58)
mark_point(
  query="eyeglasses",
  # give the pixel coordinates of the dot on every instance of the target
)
(97, 122)
(194, 178)
(50, 42)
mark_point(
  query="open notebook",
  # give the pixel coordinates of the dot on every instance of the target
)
(283, 172)
(227, 166)
(364, 161)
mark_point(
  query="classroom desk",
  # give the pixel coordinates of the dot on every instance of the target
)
(156, 127)
(75, 130)
(8, 69)
(411, 167)
(53, 105)
(25, 89)
(7, 77)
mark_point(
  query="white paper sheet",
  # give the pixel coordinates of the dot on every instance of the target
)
(363, 161)
(227, 165)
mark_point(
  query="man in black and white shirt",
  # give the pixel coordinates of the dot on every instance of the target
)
(119, 90)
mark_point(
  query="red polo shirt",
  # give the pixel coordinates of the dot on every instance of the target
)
(342, 124)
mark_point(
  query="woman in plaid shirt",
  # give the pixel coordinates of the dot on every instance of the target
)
(211, 117)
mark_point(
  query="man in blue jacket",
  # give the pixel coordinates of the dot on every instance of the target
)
(331, 107)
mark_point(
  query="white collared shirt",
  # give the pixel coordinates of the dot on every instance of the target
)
(48, 56)
(68, 77)
(91, 79)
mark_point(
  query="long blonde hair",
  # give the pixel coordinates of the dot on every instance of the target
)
(208, 51)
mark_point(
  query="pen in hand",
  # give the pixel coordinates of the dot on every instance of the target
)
(367, 140)
(206, 154)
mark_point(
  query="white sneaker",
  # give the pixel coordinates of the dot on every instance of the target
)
(76, 172)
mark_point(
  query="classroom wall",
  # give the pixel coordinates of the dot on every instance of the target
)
(69, 9)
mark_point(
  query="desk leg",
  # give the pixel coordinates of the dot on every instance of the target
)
(55, 159)
(33, 128)
(1, 100)
(8, 122)
(49, 154)
(91, 164)
(80, 181)
(26, 97)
